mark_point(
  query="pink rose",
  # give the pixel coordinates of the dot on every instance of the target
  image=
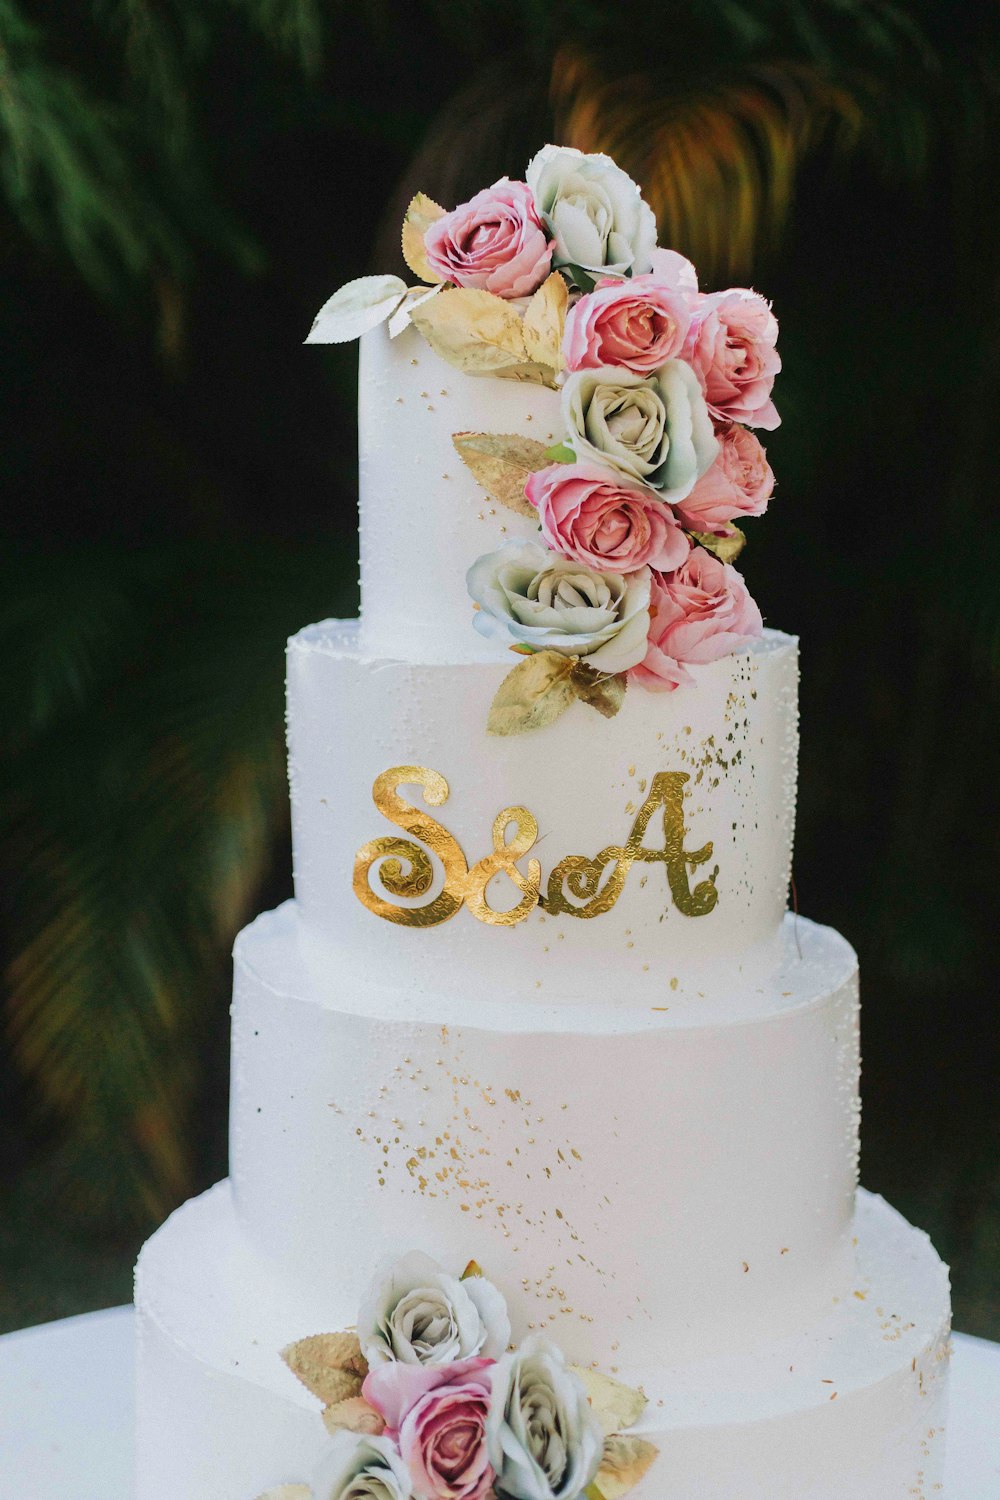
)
(739, 483)
(495, 242)
(597, 517)
(731, 346)
(638, 324)
(701, 612)
(437, 1415)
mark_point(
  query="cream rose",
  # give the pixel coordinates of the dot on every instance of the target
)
(595, 213)
(361, 1468)
(532, 596)
(655, 427)
(418, 1314)
(544, 1440)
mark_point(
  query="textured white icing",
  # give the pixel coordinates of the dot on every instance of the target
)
(852, 1406)
(629, 1165)
(351, 717)
(424, 518)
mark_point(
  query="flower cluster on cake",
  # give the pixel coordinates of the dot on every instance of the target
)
(427, 1401)
(559, 280)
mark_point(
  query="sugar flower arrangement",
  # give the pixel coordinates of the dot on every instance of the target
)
(427, 1401)
(558, 280)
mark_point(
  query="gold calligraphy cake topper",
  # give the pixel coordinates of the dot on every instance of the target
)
(405, 869)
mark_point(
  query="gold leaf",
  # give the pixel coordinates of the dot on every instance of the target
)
(544, 321)
(420, 215)
(626, 1460)
(474, 331)
(534, 374)
(726, 548)
(538, 690)
(592, 1492)
(472, 1269)
(603, 692)
(288, 1492)
(502, 463)
(618, 1406)
(353, 1415)
(330, 1365)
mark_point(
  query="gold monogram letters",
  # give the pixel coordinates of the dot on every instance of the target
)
(404, 868)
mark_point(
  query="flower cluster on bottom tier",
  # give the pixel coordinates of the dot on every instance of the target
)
(427, 1400)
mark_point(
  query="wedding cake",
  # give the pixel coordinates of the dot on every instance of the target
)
(544, 1119)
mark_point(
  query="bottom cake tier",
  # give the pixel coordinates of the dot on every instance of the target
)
(851, 1408)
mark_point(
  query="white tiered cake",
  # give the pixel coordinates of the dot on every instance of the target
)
(642, 1126)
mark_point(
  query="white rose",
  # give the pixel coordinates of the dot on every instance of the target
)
(543, 1438)
(596, 215)
(545, 601)
(416, 1313)
(655, 427)
(361, 1468)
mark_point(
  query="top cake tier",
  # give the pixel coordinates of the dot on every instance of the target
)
(424, 518)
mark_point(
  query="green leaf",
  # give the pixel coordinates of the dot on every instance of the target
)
(578, 277)
(560, 453)
(539, 689)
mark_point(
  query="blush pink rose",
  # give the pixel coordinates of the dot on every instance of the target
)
(437, 1416)
(495, 242)
(731, 345)
(739, 483)
(598, 518)
(701, 612)
(637, 324)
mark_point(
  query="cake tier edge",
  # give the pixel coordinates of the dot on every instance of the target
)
(855, 1405)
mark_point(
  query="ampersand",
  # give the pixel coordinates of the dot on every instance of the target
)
(503, 860)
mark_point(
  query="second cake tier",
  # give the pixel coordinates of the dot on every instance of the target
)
(659, 841)
(672, 1184)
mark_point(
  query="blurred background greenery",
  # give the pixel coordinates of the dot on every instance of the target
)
(184, 182)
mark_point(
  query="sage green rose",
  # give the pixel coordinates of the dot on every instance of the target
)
(655, 428)
(595, 213)
(543, 1438)
(536, 598)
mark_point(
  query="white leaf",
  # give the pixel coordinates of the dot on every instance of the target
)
(358, 306)
(400, 319)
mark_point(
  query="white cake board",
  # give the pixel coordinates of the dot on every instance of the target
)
(66, 1412)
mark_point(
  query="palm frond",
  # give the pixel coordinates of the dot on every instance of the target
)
(141, 815)
(718, 162)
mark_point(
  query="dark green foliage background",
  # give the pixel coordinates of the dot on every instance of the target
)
(183, 183)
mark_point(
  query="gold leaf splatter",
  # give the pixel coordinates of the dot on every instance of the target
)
(616, 1405)
(544, 321)
(420, 215)
(330, 1365)
(539, 689)
(726, 548)
(502, 464)
(603, 692)
(354, 1415)
(626, 1460)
